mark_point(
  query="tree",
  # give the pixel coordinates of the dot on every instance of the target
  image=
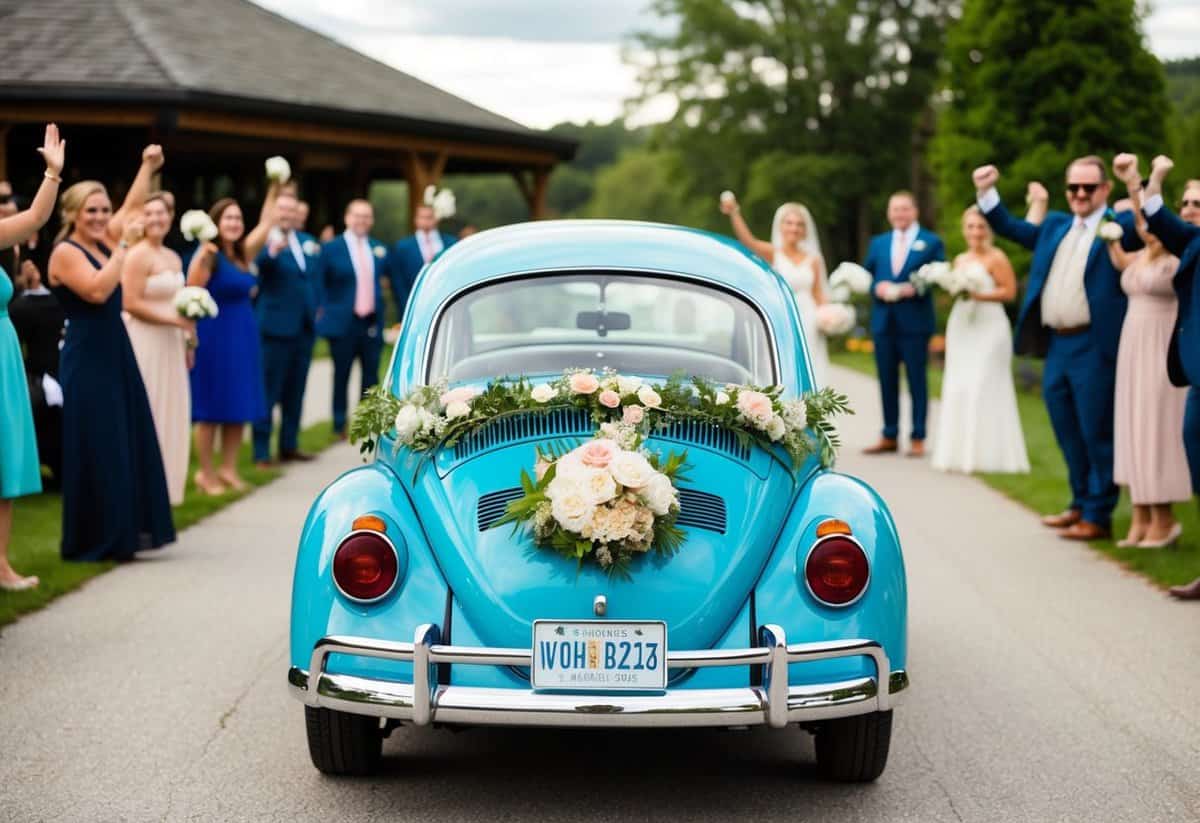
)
(837, 86)
(642, 185)
(1035, 83)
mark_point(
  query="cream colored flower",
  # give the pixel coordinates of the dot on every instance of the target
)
(278, 169)
(543, 393)
(633, 414)
(609, 399)
(795, 413)
(755, 407)
(776, 429)
(649, 397)
(408, 422)
(659, 494)
(631, 470)
(628, 385)
(457, 409)
(721, 399)
(572, 509)
(599, 486)
(462, 394)
(583, 383)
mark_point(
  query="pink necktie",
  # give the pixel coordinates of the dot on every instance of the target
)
(426, 246)
(898, 253)
(364, 292)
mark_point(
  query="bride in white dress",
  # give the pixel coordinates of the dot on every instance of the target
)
(979, 429)
(795, 253)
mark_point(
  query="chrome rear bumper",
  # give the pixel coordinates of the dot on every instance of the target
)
(775, 703)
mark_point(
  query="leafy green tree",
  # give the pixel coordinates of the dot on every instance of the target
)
(1035, 83)
(831, 90)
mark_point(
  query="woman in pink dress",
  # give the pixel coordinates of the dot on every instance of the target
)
(1148, 414)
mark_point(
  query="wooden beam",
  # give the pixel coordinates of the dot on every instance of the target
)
(85, 115)
(533, 190)
(4, 151)
(420, 172)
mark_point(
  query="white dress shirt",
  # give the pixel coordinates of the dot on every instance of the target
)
(1152, 205)
(902, 243)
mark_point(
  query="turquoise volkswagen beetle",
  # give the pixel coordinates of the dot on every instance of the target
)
(557, 529)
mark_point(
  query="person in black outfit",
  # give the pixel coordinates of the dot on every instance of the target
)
(40, 323)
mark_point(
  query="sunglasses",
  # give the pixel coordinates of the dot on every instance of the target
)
(1086, 188)
(1195, 204)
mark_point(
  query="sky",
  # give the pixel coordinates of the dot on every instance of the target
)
(542, 62)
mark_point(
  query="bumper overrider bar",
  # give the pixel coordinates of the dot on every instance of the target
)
(424, 701)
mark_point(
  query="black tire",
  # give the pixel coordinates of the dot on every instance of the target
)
(854, 749)
(343, 744)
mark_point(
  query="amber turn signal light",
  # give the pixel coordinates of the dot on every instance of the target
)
(368, 522)
(833, 527)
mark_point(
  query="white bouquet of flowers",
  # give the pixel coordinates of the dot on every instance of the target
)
(966, 279)
(197, 225)
(195, 303)
(278, 169)
(441, 201)
(849, 279)
(835, 319)
(1111, 231)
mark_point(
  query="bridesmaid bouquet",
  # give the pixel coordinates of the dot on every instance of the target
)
(442, 202)
(278, 169)
(835, 319)
(195, 303)
(967, 279)
(197, 225)
(849, 279)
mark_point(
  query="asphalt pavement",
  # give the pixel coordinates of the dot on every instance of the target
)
(1047, 685)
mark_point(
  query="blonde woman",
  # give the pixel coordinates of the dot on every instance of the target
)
(115, 498)
(151, 277)
(979, 429)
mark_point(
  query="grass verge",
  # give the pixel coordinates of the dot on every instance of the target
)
(37, 528)
(1045, 488)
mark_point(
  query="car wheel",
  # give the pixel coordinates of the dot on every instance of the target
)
(341, 743)
(854, 749)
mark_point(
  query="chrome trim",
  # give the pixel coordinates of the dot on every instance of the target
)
(813, 548)
(395, 553)
(422, 702)
(772, 340)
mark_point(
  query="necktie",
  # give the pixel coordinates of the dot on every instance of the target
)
(899, 253)
(426, 246)
(364, 291)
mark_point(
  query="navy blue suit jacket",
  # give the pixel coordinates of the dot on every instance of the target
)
(405, 263)
(1182, 240)
(913, 315)
(337, 283)
(1101, 282)
(286, 304)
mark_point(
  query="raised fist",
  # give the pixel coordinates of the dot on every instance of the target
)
(152, 156)
(1125, 167)
(1161, 165)
(1035, 192)
(985, 177)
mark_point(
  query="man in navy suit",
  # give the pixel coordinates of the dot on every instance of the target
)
(1072, 316)
(1182, 239)
(410, 254)
(286, 308)
(350, 304)
(902, 320)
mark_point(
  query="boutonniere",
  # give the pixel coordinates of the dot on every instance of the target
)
(920, 245)
(254, 268)
(311, 248)
(380, 252)
(1110, 230)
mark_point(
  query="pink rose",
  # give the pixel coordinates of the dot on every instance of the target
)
(755, 406)
(610, 398)
(598, 453)
(583, 383)
(633, 414)
(463, 394)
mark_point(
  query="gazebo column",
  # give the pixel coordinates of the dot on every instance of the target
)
(4, 150)
(420, 170)
(533, 188)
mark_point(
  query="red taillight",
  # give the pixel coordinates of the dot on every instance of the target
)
(837, 571)
(365, 566)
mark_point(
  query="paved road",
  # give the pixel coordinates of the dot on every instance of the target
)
(1047, 685)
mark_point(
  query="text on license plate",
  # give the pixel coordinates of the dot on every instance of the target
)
(599, 655)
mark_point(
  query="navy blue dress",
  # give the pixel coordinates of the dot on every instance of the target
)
(114, 491)
(227, 379)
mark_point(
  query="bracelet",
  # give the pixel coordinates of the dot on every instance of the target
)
(50, 176)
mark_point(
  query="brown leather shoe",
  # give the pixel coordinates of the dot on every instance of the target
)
(1084, 530)
(296, 455)
(1063, 520)
(886, 445)
(1188, 591)
(916, 448)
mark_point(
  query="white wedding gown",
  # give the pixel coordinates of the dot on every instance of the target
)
(979, 429)
(801, 276)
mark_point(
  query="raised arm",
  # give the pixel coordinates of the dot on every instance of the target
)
(135, 198)
(20, 226)
(69, 267)
(1038, 201)
(1175, 233)
(257, 238)
(741, 231)
(1002, 223)
(200, 268)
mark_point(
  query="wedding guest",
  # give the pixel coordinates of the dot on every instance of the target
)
(19, 471)
(348, 279)
(227, 376)
(41, 326)
(286, 308)
(115, 498)
(302, 211)
(902, 321)
(795, 253)
(150, 279)
(467, 230)
(410, 254)
(1072, 317)
(979, 428)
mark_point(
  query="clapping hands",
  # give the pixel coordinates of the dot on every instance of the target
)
(53, 151)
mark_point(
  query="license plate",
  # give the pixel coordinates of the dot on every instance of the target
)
(599, 655)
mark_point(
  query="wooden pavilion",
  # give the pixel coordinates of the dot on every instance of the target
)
(223, 84)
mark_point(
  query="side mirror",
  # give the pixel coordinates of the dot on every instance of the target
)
(603, 321)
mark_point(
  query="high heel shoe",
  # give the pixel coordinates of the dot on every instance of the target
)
(1170, 540)
(1130, 542)
(212, 488)
(21, 584)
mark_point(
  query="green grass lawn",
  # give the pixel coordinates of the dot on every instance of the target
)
(1045, 488)
(37, 528)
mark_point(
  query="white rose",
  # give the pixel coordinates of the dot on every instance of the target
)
(795, 413)
(598, 485)
(457, 409)
(631, 470)
(722, 398)
(278, 169)
(628, 385)
(1111, 231)
(659, 494)
(649, 397)
(543, 393)
(776, 429)
(408, 421)
(428, 419)
(572, 509)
